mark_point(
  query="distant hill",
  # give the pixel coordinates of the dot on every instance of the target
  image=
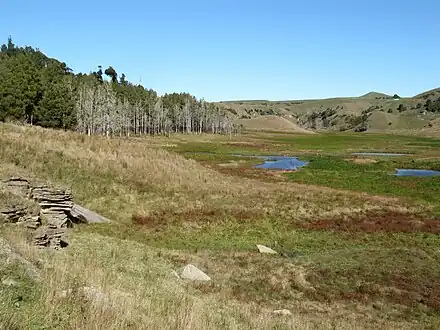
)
(429, 94)
(373, 111)
(375, 95)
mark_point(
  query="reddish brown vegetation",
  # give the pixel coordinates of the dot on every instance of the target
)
(254, 173)
(253, 145)
(376, 222)
(405, 289)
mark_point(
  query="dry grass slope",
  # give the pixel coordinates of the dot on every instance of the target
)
(272, 123)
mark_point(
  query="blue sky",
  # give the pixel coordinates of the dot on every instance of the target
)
(226, 50)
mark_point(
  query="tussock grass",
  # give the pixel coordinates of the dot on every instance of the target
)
(124, 177)
(131, 288)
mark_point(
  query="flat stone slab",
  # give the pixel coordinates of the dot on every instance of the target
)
(86, 215)
(191, 272)
(265, 249)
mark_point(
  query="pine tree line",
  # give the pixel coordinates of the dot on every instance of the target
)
(38, 90)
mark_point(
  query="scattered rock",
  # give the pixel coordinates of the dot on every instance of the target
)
(191, 272)
(9, 282)
(265, 249)
(283, 312)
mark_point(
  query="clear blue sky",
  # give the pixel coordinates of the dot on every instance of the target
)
(241, 49)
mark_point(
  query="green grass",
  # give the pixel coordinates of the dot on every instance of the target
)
(326, 143)
(343, 142)
(328, 166)
(377, 178)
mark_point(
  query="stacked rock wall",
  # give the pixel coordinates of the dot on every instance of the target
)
(54, 208)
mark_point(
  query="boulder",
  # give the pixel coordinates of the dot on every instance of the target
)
(191, 272)
(265, 249)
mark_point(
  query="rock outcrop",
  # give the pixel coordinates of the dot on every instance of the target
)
(18, 186)
(50, 237)
(52, 200)
(12, 214)
(54, 211)
(55, 207)
(31, 222)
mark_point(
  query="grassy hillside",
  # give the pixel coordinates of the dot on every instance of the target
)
(272, 123)
(357, 245)
(373, 111)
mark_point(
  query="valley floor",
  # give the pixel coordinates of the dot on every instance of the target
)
(358, 246)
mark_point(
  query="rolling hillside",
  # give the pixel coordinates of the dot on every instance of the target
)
(373, 112)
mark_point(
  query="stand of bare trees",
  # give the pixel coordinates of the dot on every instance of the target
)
(105, 110)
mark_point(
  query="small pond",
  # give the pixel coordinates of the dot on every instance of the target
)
(386, 154)
(278, 162)
(407, 172)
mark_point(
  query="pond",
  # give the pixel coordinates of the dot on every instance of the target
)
(408, 172)
(279, 162)
(387, 154)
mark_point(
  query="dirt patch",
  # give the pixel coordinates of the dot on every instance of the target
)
(390, 221)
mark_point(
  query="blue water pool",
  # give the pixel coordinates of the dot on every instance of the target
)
(407, 172)
(279, 162)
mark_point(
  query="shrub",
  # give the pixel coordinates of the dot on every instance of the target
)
(401, 108)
